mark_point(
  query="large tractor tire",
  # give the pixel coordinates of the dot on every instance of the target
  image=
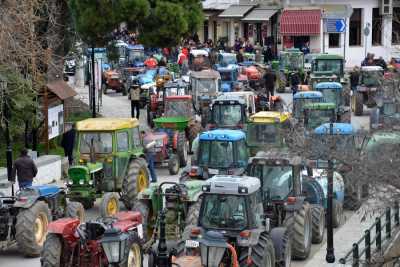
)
(144, 210)
(358, 105)
(136, 180)
(133, 253)
(173, 164)
(31, 228)
(262, 254)
(283, 246)
(193, 214)
(75, 210)
(318, 223)
(182, 149)
(300, 226)
(337, 213)
(52, 251)
(109, 205)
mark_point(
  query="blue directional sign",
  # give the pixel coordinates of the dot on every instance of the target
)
(335, 25)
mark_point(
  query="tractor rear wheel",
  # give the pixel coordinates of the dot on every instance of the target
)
(144, 210)
(358, 105)
(283, 246)
(109, 205)
(318, 223)
(52, 251)
(299, 224)
(75, 210)
(133, 252)
(262, 254)
(31, 228)
(182, 149)
(337, 214)
(136, 180)
(193, 213)
(173, 164)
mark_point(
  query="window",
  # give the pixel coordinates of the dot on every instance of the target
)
(334, 40)
(396, 26)
(376, 27)
(355, 26)
(136, 137)
(122, 141)
(98, 142)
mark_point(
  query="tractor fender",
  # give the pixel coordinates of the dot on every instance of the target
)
(313, 191)
(66, 227)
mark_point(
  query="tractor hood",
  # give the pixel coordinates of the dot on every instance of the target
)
(82, 172)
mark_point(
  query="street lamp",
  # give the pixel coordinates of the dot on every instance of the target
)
(330, 251)
(114, 244)
(7, 117)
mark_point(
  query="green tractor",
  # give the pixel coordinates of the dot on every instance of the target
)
(291, 60)
(112, 165)
(316, 114)
(182, 204)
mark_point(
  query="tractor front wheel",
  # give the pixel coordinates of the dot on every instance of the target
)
(318, 223)
(262, 254)
(182, 149)
(136, 180)
(52, 251)
(109, 205)
(75, 210)
(133, 252)
(283, 247)
(31, 228)
(173, 164)
(338, 215)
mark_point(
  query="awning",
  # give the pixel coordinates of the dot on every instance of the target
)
(260, 14)
(236, 11)
(61, 89)
(301, 22)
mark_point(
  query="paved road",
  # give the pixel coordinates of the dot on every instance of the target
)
(116, 105)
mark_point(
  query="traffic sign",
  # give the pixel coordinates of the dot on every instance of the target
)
(335, 25)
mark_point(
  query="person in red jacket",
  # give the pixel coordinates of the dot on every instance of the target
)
(151, 62)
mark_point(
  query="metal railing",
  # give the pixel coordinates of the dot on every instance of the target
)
(374, 238)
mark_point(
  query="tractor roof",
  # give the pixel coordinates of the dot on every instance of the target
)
(222, 135)
(269, 117)
(228, 68)
(308, 94)
(328, 57)
(135, 47)
(291, 50)
(206, 74)
(320, 106)
(338, 128)
(371, 68)
(198, 52)
(275, 157)
(329, 85)
(106, 124)
(232, 185)
(223, 99)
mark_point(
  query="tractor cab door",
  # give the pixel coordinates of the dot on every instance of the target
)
(122, 155)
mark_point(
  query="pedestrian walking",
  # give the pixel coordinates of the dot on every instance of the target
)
(134, 95)
(239, 56)
(68, 143)
(354, 78)
(150, 156)
(294, 81)
(25, 169)
(269, 82)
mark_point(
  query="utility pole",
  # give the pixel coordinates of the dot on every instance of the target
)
(330, 252)
(93, 96)
(323, 35)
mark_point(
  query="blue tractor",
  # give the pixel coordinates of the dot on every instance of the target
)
(229, 78)
(218, 152)
(24, 218)
(333, 93)
(300, 99)
(135, 56)
(226, 60)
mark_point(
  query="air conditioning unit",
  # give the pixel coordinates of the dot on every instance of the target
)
(386, 7)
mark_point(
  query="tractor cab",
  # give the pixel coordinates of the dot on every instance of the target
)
(219, 152)
(316, 114)
(333, 93)
(229, 78)
(291, 60)
(302, 98)
(228, 112)
(327, 68)
(199, 59)
(135, 56)
(266, 129)
(226, 60)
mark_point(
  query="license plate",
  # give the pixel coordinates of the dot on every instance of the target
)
(213, 171)
(191, 244)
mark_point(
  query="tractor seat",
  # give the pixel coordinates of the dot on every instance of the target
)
(46, 190)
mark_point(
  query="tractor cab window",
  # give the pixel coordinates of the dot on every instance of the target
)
(257, 207)
(331, 65)
(136, 55)
(227, 115)
(298, 105)
(227, 59)
(317, 117)
(223, 212)
(242, 153)
(180, 108)
(136, 137)
(276, 181)
(102, 142)
(291, 61)
(216, 154)
(122, 141)
(263, 133)
(371, 78)
(205, 86)
(342, 143)
(331, 95)
(226, 76)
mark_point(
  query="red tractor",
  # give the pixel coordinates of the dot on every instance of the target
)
(111, 241)
(113, 79)
(254, 77)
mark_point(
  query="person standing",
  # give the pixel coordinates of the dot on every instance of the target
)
(150, 156)
(239, 56)
(294, 81)
(134, 95)
(25, 169)
(68, 143)
(269, 82)
(354, 78)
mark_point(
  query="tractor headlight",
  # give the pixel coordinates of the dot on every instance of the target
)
(70, 182)
(81, 182)
(90, 182)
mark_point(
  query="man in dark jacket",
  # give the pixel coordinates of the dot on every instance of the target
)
(25, 169)
(269, 82)
(68, 143)
(354, 78)
(294, 81)
(239, 56)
